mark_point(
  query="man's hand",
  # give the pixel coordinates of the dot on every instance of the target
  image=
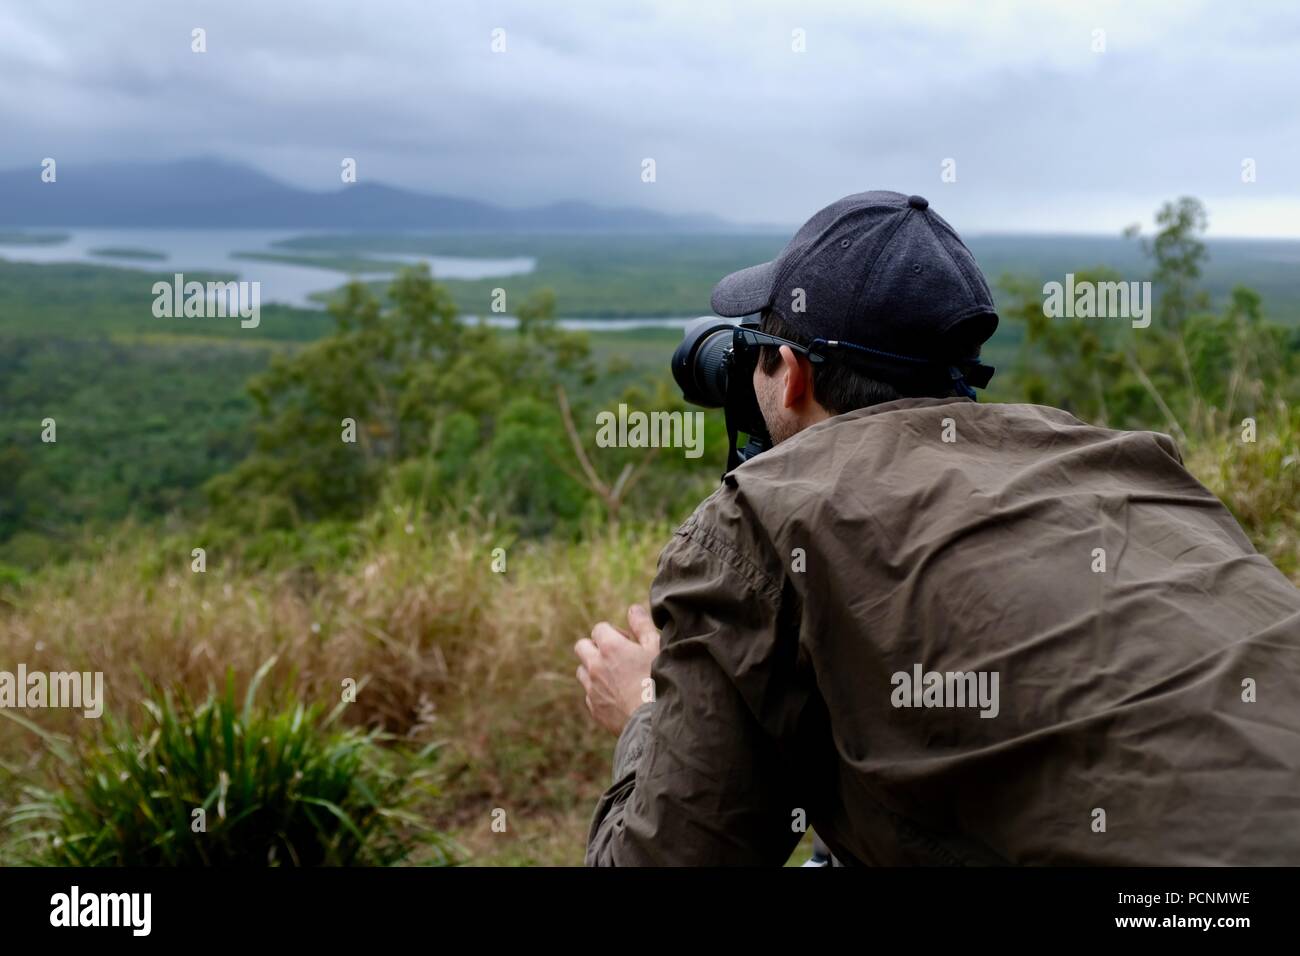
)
(615, 669)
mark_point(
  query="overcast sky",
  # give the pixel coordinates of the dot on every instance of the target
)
(1046, 134)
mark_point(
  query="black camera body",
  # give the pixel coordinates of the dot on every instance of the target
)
(714, 369)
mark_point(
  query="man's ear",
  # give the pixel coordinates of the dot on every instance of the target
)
(796, 382)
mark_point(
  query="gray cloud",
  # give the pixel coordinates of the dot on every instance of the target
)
(1046, 133)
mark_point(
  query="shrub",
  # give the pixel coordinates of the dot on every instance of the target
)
(284, 787)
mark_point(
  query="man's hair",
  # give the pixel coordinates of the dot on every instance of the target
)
(837, 386)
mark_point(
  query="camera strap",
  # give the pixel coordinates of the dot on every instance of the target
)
(733, 435)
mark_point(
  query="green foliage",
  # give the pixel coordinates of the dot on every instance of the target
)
(1192, 371)
(1259, 481)
(525, 475)
(279, 788)
(139, 430)
(80, 299)
(1179, 255)
(446, 413)
(1070, 363)
(407, 382)
(145, 410)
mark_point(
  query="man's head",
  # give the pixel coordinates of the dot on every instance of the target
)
(876, 270)
(793, 395)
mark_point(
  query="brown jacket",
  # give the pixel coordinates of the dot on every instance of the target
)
(938, 631)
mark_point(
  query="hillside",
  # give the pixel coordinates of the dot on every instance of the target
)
(217, 194)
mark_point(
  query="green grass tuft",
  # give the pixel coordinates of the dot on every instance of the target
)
(276, 788)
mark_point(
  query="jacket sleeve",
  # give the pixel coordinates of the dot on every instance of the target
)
(698, 781)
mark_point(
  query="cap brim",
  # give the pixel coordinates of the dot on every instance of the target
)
(744, 292)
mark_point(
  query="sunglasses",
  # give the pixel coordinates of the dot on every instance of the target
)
(748, 339)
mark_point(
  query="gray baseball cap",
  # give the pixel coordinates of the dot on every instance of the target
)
(878, 269)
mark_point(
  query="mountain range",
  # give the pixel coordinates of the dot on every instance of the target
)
(217, 193)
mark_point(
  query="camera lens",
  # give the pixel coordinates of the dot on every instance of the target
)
(702, 360)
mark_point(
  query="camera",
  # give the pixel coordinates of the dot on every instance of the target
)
(714, 367)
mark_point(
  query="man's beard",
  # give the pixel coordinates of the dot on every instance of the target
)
(779, 427)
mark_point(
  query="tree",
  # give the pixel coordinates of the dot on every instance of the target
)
(338, 415)
(1191, 371)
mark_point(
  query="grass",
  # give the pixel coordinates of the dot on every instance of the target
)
(1259, 481)
(217, 784)
(443, 650)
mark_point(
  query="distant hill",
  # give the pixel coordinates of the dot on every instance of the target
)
(216, 193)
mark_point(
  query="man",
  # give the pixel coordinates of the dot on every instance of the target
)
(939, 631)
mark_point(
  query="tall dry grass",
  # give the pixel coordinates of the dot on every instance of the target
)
(1259, 481)
(443, 648)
